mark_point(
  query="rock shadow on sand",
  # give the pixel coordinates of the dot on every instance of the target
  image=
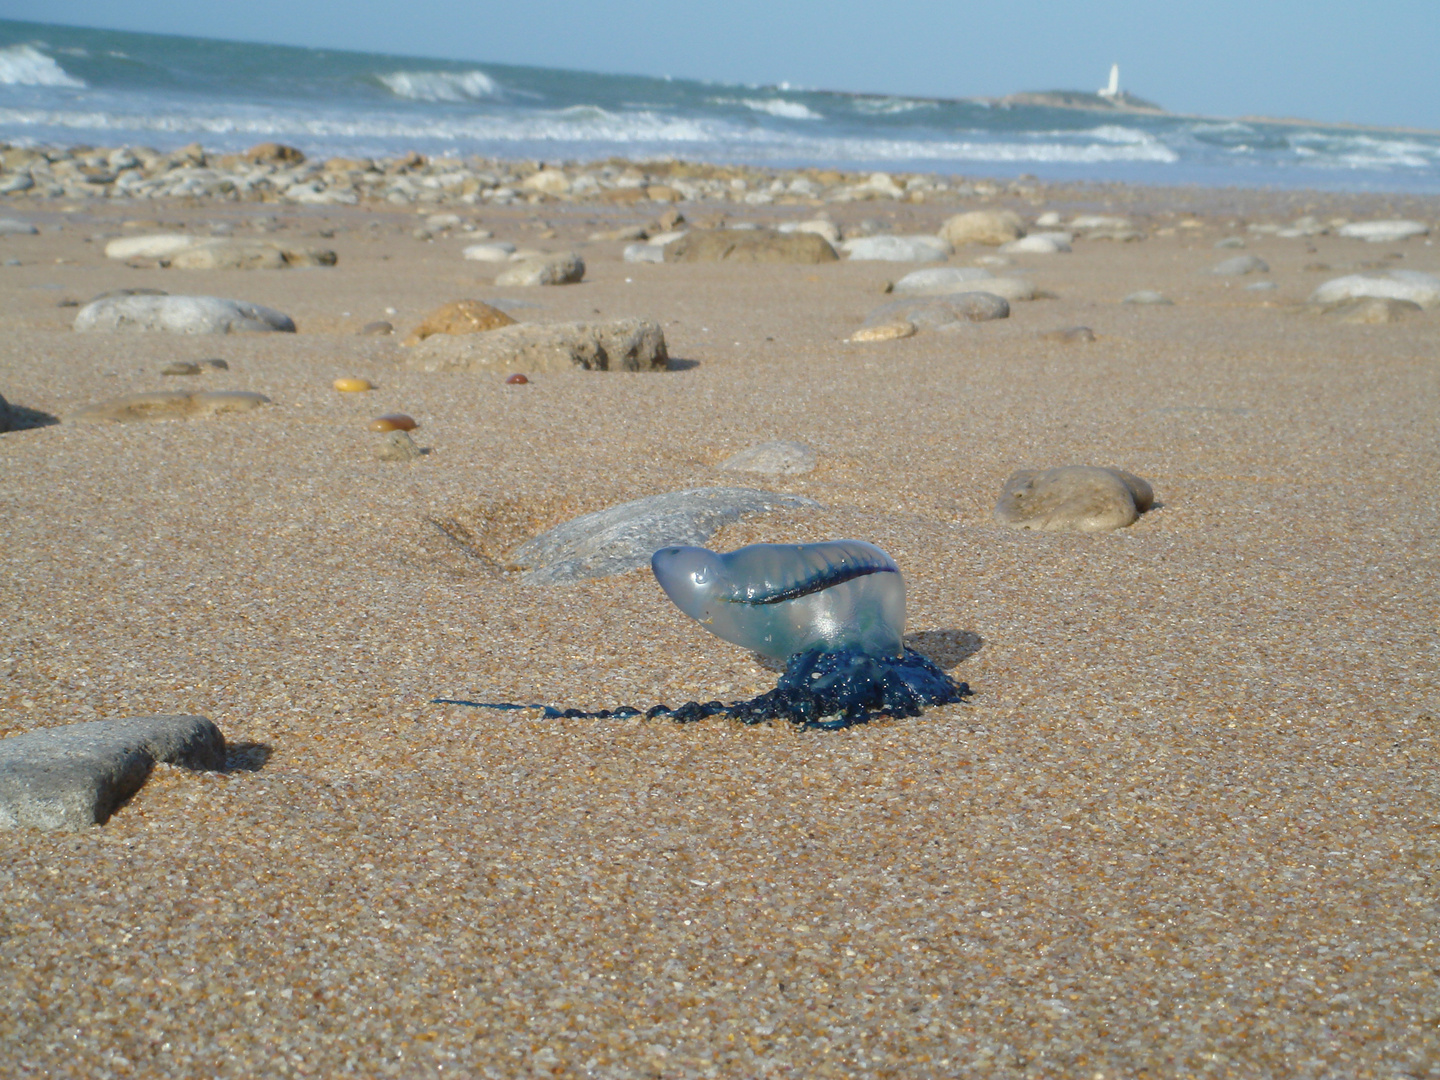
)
(948, 648)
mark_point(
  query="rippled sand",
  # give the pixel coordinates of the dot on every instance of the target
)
(1186, 827)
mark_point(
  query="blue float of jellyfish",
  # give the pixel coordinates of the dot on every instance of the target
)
(833, 612)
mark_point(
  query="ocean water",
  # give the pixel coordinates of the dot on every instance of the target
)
(65, 85)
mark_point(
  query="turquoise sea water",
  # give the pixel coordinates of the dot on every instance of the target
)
(64, 85)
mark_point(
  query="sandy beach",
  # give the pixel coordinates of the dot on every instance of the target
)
(1186, 826)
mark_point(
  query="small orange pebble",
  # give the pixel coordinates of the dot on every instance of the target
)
(393, 421)
(516, 380)
(352, 386)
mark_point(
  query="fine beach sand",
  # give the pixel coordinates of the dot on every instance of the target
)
(1187, 825)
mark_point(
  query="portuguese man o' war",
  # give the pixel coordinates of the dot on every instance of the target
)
(833, 612)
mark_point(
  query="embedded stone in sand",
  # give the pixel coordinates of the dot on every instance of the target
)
(624, 537)
(1069, 335)
(353, 386)
(75, 775)
(169, 405)
(550, 270)
(181, 367)
(992, 227)
(1414, 285)
(1240, 265)
(618, 345)
(890, 331)
(1073, 498)
(516, 380)
(939, 312)
(779, 458)
(750, 246)
(1148, 297)
(396, 421)
(459, 317)
(179, 315)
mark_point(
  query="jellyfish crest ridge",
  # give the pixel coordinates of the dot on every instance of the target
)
(781, 600)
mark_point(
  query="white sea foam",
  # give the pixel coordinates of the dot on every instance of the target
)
(888, 106)
(25, 65)
(787, 110)
(441, 85)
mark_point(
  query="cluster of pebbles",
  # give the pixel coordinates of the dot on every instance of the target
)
(271, 172)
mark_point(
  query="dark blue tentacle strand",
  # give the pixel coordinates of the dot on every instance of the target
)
(823, 690)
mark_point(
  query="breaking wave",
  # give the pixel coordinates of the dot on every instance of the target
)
(25, 65)
(441, 85)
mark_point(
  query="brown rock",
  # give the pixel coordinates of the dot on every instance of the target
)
(272, 153)
(459, 317)
(750, 246)
(992, 227)
(516, 380)
(621, 345)
(169, 405)
(1073, 498)
(397, 421)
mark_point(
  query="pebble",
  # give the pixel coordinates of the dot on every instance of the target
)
(1239, 265)
(897, 249)
(1148, 296)
(1229, 242)
(889, 331)
(74, 776)
(169, 405)
(459, 317)
(750, 246)
(615, 345)
(16, 227)
(179, 315)
(1069, 335)
(643, 253)
(1261, 286)
(1038, 244)
(180, 367)
(1413, 285)
(379, 326)
(398, 446)
(938, 312)
(353, 385)
(1371, 310)
(624, 537)
(441, 222)
(1048, 220)
(494, 251)
(990, 227)
(397, 421)
(779, 458)
(563, 269)
(821, 227)
(951, 280)
(1100, 222)
(517, 379)
(1384, 232)
(248, 255)
(1073, 498)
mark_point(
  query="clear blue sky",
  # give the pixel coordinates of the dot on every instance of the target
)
(1337, 60)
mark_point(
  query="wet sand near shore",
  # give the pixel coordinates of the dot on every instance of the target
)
(1185, 827)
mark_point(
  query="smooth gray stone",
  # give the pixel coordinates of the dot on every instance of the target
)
(941, 279)
(1414, 285)
(779, 458)
(1073, 498)
(15, 227)
(644, 253)
(937, 312)
(1148, 296)
(1261, 286)
(180, 315)
(1240, 264)
(551, 270)
(1384, 232)
(74, 776)
(898, 249)
(18, 182)
(1230, 242)
(624, 537)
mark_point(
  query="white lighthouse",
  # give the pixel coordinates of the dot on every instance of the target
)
(1112, 90)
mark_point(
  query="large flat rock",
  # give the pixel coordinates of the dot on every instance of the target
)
(1414, 285)
(1073, 498)
(180, 315)
(624, 537)
(750, 246)
(618, 345)
(74, 776)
